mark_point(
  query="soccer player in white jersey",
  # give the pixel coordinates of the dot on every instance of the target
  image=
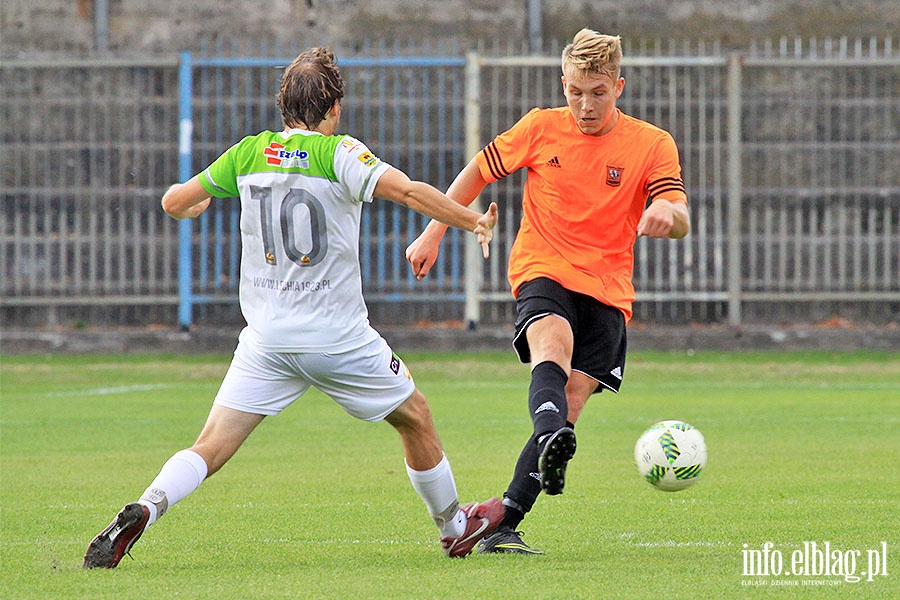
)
(302, 191)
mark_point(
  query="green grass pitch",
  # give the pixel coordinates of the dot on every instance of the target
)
(804, 449)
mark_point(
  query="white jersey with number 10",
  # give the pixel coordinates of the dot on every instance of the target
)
(301, 200)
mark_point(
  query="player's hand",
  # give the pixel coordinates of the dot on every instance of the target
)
(660, 219)
(485, 228)
(423, 253)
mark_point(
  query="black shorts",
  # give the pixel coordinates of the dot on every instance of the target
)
(600, 340)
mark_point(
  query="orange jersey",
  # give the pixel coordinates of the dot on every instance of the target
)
(583, 198)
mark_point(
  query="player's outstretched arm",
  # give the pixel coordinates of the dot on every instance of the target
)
(423, 198)
(423, 252)
(186, 200)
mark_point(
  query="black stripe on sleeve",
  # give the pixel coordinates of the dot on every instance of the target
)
(673, 188)
(495, 164)
(664, 185)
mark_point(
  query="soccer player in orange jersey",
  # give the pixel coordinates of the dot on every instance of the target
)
(591, 171)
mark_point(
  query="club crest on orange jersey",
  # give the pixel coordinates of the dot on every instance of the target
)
(614, 175)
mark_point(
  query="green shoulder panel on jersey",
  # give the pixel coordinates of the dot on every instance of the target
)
(271, 152)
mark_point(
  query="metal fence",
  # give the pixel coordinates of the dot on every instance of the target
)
(791, 160)
(85, 150)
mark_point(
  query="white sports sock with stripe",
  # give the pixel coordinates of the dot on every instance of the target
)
(437, 488)
(181, 475)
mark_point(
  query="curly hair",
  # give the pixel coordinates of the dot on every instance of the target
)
(309, 88)
(592, 52)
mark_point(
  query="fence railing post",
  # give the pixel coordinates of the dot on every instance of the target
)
(474, 263)
(734, 228)
(185, 134)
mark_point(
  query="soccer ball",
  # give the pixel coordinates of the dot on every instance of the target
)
(670, 455)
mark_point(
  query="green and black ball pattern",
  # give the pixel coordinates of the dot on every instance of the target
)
(670, 449)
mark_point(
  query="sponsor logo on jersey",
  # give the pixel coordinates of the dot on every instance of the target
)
(368, 159)
(554, 162)
(350, 145)
(277, 156)
(614, 175)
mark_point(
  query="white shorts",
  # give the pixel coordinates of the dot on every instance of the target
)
(369, 382)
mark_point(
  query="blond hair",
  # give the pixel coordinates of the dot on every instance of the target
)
(592, 52)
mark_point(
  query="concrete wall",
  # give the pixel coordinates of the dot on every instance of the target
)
(137, 26)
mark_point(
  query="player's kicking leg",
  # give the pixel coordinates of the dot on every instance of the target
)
(430, 473)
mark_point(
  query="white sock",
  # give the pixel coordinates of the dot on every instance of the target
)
(181, 475)
(455, 526)
(437, 489)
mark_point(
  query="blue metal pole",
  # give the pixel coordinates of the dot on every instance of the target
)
(185, 132)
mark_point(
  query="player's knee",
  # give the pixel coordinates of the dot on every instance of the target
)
(413, 414)
(419, 412)
(554, 351)
(550, 339)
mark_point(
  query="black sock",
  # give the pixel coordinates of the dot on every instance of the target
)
(547, 398)
(511, 519)
(525, 486)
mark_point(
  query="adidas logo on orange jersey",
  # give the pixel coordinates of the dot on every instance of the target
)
(554, 162)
